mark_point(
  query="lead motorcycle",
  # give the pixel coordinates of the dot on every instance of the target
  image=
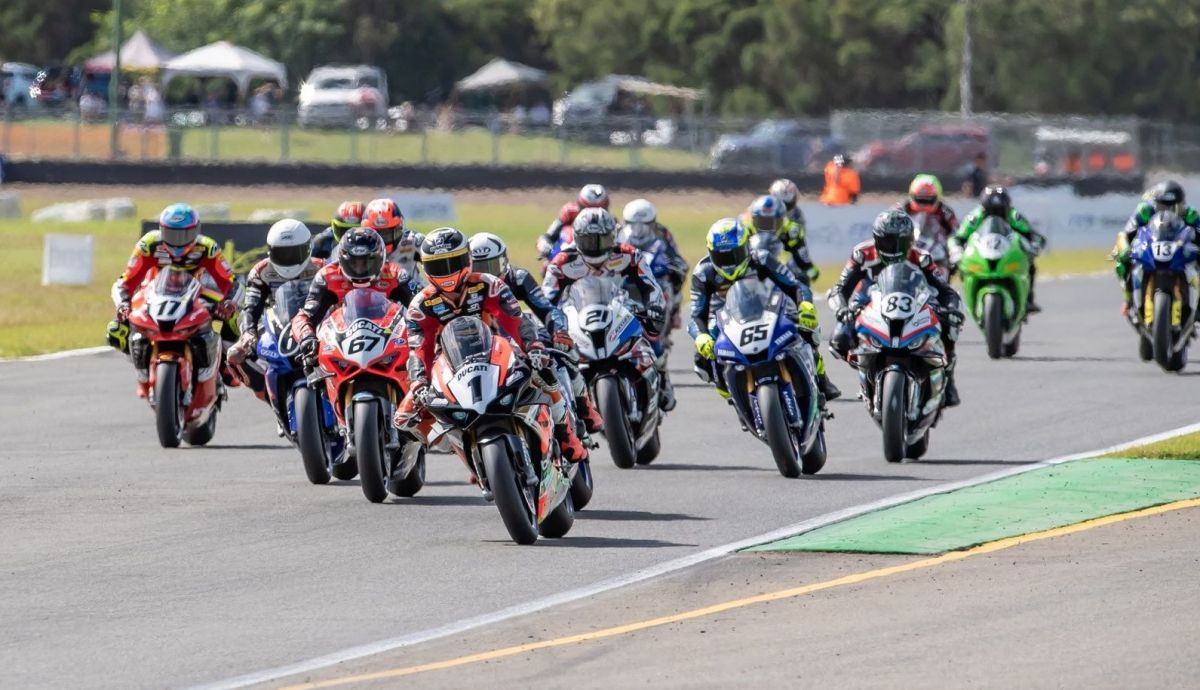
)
(170, 319)
(500, 426)
(304, 413)
(770, 373)
(362, 357)
(617, 360)
(1164, 294)
(901, 361)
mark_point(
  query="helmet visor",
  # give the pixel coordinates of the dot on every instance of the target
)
(445, 266)
(361, 268)
(728, 259)
(925, 201)
(288, 256)
(493, 266)
(178, 237)
(593, 244)
(639, 234)
(893, 247)
(766, 223)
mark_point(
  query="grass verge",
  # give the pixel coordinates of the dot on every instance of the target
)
(1186, 447)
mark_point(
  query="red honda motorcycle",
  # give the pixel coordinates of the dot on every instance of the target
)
(362, 359)
(170, 320)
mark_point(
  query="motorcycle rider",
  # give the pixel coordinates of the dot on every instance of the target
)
(995, 202)
(768, 215)
(590, 196)
(384, 217)
(177, 242)
(489, 254)
(455, 290)
(349, 214)
(642, 229)
(1164, 196)
(595, 252)
(786, 191)
(361, 263)
(729, 259)
(892, 242)
(925, 196)
(289, 257)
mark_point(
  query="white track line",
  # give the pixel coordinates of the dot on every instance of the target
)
(463, 625)
(65, 354)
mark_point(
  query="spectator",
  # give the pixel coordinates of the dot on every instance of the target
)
(91, 106)
(539, 114)
(155, 110)
(1073, 165)
(260, 104)
(977, 179)
(842, 185)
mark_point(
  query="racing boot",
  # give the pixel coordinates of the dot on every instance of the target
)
(569, 442)
(666, 392)
(587, 411)
(830, 391)
(950, 398)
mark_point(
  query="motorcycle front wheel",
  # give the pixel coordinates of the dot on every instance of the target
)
(368, 448)
(893, 421)
(169, 410)
(510, 493)
(310, 437)
(617, 429)
(778, 432)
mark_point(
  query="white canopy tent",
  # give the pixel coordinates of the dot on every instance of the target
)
(499, 74)
(224, 59)
(139, 52)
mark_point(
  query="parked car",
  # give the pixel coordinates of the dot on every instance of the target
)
(775, 145)
(944, 149)
(15, 80)
(343, 96)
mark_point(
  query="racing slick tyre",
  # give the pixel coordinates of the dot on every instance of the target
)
(168, 400)
(517, 510)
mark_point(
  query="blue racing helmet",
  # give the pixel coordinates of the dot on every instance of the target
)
(179, 225)
(766, 213)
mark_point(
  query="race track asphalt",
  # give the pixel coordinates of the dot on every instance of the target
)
(126, 565)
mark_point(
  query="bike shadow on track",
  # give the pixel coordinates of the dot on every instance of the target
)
(973, 462)
(860, 477)
(634, 516)
(692, 467)
(244, 446)
(605, 543)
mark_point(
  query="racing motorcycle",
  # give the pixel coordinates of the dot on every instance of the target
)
(995, 275)
(170, 319)
(660, 266)
(303, 412)
(900, 360)
(930, 237)
(770, 373)
(501, 427)
(362, 357)
(617, 360)
(1164, 295)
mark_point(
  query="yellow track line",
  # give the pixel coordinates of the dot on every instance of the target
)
(854, 579)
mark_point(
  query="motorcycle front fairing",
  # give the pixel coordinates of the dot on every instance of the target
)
(1164, 262)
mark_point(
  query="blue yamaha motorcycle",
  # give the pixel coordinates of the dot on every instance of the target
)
(1164, 294)
(770, 373)
(304, 414)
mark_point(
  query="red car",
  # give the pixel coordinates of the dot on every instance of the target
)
(934, 149)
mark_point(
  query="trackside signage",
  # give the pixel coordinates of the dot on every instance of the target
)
(422, 206)
(68, 260)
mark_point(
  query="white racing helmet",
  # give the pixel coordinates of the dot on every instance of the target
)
(639, 216)
(289, 247)
(489, 254)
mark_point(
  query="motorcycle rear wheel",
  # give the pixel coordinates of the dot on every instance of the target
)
(918, 449)
(893, 421)
(647, 453)
(1145, 348)
(368, 448)
(510, 494)
(560, 520)
(203, 433)
(582, 485)
(411, 483)
(812, 461)
(168, 399)
(778, 432)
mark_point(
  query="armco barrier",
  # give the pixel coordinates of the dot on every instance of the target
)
(463, 177)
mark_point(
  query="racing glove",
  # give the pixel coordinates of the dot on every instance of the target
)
(544, 245)
(954, 318)
(539, 359)
(308, 351)
(563, 341)
(847, 315)
(241, 349)
(704, 345)
(123, 312)
(225, 309)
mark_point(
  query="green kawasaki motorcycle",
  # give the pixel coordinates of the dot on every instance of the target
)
(995, 274)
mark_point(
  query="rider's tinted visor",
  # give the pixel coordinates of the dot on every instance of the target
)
(288, 256)
(360, 269)
(728, 259)
(593, 244)
(178, 237)
(444, 266)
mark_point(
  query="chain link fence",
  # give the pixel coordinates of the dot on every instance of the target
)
(879, 142)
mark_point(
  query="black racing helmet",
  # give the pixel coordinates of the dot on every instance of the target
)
(893, 233)
(361, 254)
(1167, 196)
(995, 201)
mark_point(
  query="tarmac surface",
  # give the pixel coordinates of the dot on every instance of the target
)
(127, 565)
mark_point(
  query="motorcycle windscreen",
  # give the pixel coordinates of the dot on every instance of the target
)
(365, 304)
(173, 282)
(591, 290)
(902, 278)
(288, 298)
(171, 295)
(994, 226)
(465, 340)
(748, 299)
